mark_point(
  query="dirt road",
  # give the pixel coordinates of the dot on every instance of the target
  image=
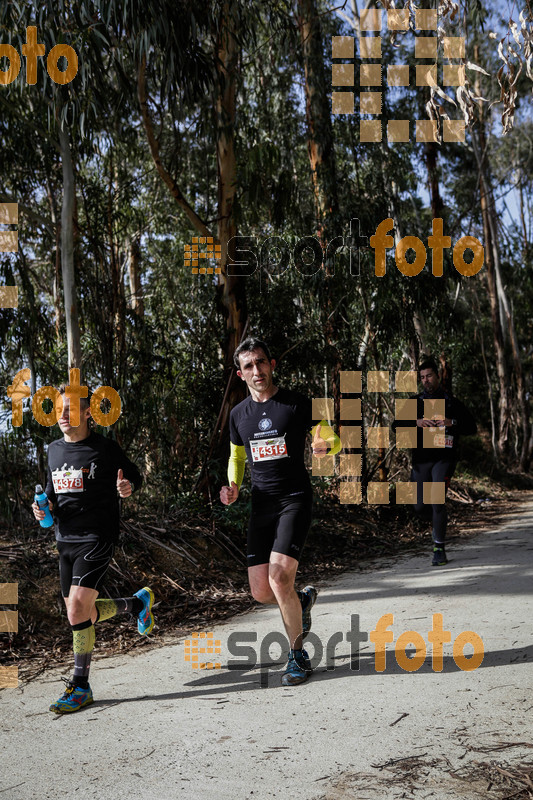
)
(163, 730)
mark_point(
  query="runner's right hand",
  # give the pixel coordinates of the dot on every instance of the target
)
(228, 494)
(38, 513)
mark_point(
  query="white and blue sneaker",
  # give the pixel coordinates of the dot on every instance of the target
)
(145, 620)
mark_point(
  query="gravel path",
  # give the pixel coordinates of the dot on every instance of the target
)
(160, 729)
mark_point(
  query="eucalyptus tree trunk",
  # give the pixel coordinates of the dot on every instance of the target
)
(486, 200)
(321, 152)
(232, 295)
(319, 128)
(134, 275)
(501, 313)
(67, 253)
(231, 288)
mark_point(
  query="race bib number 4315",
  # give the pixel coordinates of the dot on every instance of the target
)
(269, 449)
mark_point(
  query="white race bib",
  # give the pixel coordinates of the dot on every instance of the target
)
(67, 480)
(268, 449)
(443, 440)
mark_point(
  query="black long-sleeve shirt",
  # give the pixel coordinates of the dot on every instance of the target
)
(273, 434)
(465, 425)
(82, 485)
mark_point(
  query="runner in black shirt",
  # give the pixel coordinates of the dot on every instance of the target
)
(270, 428)
(85, 472)
(437, 464)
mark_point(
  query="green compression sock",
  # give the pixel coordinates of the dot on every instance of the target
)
(121, 605)
(83, 643)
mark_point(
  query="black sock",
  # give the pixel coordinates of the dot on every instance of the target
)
(137, 606)
(81, 683)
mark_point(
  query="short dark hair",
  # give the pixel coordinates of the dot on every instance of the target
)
(429, 363)
(85, 402)
(249, 344)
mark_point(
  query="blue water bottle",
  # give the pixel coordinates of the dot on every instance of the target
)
(42, 501)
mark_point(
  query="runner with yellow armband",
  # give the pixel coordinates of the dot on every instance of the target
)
(269, 430)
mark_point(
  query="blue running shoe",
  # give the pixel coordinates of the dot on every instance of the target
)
(145, 620)
(72, 699)
(439, 556)
(307, 599)
(298, 668)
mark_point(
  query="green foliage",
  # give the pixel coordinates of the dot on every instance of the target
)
(167, 363)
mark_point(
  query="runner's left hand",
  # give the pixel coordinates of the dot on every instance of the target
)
(123, 485)
(320, 446)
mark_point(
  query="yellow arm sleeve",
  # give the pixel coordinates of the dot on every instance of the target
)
(328, 434)
(236, 463)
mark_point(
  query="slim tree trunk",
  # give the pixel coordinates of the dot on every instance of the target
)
(431, 153)
(323, 169)
(231, 288)
(133, 256)
(67, 253)
(320, 132)
(487, 205)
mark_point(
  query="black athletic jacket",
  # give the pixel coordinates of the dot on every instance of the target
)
(465, 425)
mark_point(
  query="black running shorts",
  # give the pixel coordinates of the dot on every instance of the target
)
(279, 525)
(83, 563)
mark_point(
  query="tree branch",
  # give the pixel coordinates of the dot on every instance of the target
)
(175, 190)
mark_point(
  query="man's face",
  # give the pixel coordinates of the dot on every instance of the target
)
(256, 370)
(430, 380)
(64, 419)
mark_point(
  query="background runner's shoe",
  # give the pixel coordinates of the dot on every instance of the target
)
(145, 620)
(73, 699)
(307, 599)
(298, 668)
(439, 556)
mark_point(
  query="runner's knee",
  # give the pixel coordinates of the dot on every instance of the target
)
(281, 580)
(78, 611)
(263, 594)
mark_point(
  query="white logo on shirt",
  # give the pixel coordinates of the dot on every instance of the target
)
(265, 424)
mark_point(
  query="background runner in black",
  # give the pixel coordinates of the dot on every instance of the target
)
(85, 472)
(437, 465)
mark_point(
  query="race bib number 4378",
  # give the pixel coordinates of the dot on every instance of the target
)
(268, 449)
(67, 480)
